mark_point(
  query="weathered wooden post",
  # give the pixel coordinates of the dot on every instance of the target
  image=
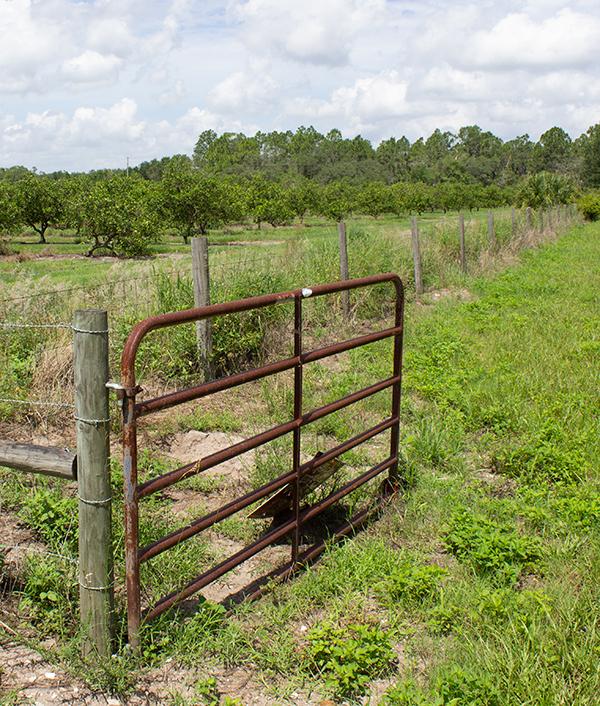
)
(344, 271)
(513, 216)
(47, 460)
(490, 215)
(461, 230)
(96, 577)
(541, 221)
(414, 232)
(201, 279)
(528, 217)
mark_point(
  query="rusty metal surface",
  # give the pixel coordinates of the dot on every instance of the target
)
(133, 491)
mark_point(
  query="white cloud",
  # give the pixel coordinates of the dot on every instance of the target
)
(471, 37)
(161, 42)
(111, 35)
(98, 125)
(244, 92)
(24, 48)
(561, 88)
(568, 39)
(172, 96)
(380, 96)
(52, 44)
(447, 82)
(365, 107)
(91, 69)
(306, 31)
(92, 138)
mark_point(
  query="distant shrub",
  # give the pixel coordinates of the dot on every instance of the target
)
(589, 205)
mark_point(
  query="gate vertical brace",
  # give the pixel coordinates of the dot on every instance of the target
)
(132, 557)
(298, 370)
(396, 389)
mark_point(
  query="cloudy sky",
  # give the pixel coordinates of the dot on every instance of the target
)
(87, 84)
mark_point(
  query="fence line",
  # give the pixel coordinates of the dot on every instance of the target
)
(43, 372)
(218, 268)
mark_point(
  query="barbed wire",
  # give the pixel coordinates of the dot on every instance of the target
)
(40, 551)
(37, 404)
(93, 287)
(14, 325)
(218, 267)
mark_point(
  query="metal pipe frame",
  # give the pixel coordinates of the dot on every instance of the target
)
(132, 410)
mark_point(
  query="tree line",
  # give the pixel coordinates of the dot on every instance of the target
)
(280, 177)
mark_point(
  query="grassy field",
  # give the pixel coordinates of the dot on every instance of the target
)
(479, 584)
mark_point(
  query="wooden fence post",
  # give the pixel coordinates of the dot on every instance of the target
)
(414, 232)
(490, 215)
(96, 577)
(201, 279)
(461, 230)
(47, 460)
(344, 272)
(528, 217)
(541, 221)
(513, 215)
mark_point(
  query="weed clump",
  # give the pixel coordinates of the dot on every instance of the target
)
(493, 550)
(349, 657)
(549, 457)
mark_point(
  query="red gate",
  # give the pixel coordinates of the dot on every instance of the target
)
(132, 410)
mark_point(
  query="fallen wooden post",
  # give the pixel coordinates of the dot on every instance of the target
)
(47, 460)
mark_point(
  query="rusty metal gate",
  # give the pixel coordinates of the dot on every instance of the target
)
(132, 410)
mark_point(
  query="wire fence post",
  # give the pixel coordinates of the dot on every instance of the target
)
(344, 271)
(96, 574)
(491, 231)
(414, 233)
(461, 230)
(201, 277)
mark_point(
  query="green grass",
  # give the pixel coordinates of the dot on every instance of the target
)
(482, 578)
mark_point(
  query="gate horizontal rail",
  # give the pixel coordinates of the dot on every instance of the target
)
(132, 410)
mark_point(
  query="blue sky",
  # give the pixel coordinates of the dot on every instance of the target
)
(85, 85)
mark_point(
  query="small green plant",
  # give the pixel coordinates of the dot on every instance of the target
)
(456, 688)
(493, 550)
(505, 604)
(349, 657)
(54, 517)
(408, 693)
(205, 690)
(166, 636)
(442, 619)
(462, 689)
(550, 457)
(51, 594)
(412, 584)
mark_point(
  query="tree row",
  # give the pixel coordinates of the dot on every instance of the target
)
(124, 214)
